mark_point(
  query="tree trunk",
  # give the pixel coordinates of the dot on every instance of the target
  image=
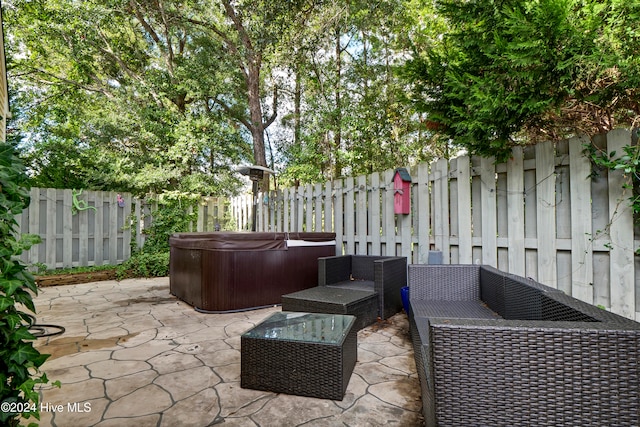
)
(337, 131)
(255, 114)
(250, 65)
(297, 100)
(257, 124)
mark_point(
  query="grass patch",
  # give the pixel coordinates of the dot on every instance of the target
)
(71, 270)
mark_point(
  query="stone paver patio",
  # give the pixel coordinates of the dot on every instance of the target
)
(134, 355)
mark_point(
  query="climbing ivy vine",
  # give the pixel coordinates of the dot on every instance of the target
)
(628, 162)
(19, 360)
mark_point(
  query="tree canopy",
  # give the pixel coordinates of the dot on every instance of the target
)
(511, 72)
(114, 95)
(150, 95)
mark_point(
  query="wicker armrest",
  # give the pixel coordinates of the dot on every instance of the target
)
(390, 277)
(333, 269)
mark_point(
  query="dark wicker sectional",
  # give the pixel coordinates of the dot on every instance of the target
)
(495, 349)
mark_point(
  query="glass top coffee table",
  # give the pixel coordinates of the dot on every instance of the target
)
(306, 354)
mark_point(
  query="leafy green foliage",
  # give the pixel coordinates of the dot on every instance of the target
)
(147, 96)
(176, 212)
(143, 264)
(19, 360)
(541, 69)
(101, 101)
(351, 116)
(171, 216)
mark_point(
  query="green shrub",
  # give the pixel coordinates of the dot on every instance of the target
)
(19, 360)
(142, 264)
(171, 216)
(175, 213)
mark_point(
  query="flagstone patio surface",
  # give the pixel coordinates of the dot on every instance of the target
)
(134, 355)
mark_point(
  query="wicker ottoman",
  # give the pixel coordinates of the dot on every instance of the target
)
(327, 299)
(306, 354)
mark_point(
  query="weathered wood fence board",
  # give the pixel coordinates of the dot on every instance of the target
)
(580, 189)
(541, 214)
(77, 228)
(620, 232)
(213, 214)
(91, 228)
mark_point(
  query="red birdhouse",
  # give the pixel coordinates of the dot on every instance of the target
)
(401, 191)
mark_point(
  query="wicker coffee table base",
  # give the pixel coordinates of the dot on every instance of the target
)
(303, 368)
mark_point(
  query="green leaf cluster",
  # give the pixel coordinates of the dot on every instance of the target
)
(145, 264)
(352, 115)
(510, 72)
(19, 360)
(147, 96)
(175, 212)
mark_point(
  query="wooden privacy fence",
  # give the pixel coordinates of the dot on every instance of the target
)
(77, 228)
(91, 228)
(540, 215)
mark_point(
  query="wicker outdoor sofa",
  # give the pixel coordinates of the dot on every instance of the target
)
(496, 349)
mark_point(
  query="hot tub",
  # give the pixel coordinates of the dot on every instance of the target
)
(223, 272)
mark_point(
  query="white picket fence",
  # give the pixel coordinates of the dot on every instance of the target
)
(540, 215)
(90, 228)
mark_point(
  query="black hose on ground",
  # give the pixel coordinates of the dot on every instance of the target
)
(44, 330)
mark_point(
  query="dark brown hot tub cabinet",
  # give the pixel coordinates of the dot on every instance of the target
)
(223, 272)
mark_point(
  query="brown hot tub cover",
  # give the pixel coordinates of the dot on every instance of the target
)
(231, 271)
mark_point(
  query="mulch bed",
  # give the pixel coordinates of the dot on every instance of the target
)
(74, 278)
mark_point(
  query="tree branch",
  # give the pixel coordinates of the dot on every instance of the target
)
(136, 9)
(242, 32)
(167, 36)
(108, 51)
(101, 90)
(233, 113)
(273, 116)
(231, 46)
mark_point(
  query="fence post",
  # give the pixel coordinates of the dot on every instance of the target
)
(374, 209)
(423, 211)
(126, 226)
(338, 216)
(361, 215)
(389, 216)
